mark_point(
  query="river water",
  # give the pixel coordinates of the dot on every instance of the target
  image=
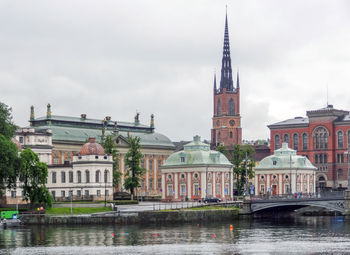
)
(292, 235)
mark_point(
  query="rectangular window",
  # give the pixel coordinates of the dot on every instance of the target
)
(196, 189)
(63, 177)
(143, 183)
(13, 194)
(21, 139)
(53, 193)
(209, 188)
(218, 189)
(151, 183)
(170, 190)
(98, 193)
(159, 183)
(78, 193)
(298, 187)
(86, 193)
(183, 189)
(70, 193)
(150, 164)
(53, 177)
(182, 159)
(262, 189)
(63, 193)
(107, 193)
(286, 189)
(226, 189)
(71, 176)
(159, 162)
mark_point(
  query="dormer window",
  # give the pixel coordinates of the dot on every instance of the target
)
(182, 159)
(274, 162)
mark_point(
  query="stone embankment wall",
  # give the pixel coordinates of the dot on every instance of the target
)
(134, 218)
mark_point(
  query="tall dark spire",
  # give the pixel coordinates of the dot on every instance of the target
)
(226, 70)
(215, 89)
(237, 79)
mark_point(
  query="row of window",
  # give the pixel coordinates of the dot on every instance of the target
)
(196, 189)
(231, 107)
(150, 164)
(78, 193)
(79, 176)
(151, 183)
(320, 139)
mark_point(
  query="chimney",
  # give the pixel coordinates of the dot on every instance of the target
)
(83, 116)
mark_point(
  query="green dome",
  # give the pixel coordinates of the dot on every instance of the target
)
(197, 153)
(285, 158)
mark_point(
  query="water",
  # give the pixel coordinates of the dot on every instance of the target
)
(293, 235)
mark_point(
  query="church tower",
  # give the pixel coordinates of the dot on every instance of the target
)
(226, 118)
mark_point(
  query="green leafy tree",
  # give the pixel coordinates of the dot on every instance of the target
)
(9, 161)
(111, 149)
(33, 175)
(9, 164)
(241, 156)
(243, 163)
(132, 162)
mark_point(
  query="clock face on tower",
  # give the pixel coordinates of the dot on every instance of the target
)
(218, 122)
(232, 123)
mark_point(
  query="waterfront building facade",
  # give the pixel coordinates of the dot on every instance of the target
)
(196, 172)
(226, 121)
(285, 173)
(324, 138)
(66, 135)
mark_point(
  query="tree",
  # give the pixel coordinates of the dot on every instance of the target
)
(243, 162)
(241, 156)
(7, 127)
(132, 162)
(9, 164)
(111, 149)
(33, 175)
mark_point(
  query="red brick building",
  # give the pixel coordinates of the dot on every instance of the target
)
(226, 118)
(323, 137)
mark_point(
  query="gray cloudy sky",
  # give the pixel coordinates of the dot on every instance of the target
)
(115, 57)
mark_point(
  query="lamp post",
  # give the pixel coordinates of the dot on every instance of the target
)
(71, 201)
(347, 159)
(246, 160)
(105, 187)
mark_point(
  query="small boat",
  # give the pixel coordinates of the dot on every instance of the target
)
(10, 219)
(10, 223)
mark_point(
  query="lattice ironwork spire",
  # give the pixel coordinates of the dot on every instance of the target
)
(226, 69)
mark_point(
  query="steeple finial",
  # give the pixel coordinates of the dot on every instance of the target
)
(226, 69)
(48, 112)
(152, 121)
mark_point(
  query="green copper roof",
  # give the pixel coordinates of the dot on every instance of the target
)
(285, 158)
(197, 153)
(80, 135)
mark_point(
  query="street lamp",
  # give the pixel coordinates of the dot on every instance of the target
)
(348, 157)
(105, 187)
(246, 161)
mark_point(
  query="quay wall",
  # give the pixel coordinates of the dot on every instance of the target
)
(134, 218)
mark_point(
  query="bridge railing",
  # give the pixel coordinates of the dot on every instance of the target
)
(321, 195)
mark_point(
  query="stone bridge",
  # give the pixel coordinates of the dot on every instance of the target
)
(334, 203)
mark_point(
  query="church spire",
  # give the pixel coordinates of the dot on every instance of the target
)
(226, 70)
(215, 89)
(237, 79)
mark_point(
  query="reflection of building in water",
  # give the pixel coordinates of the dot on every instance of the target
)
(285, 172)
(196, 172)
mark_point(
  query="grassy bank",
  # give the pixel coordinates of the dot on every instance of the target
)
(117, 202)
(77, 210)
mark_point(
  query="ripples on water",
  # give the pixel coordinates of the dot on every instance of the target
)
(303, 235)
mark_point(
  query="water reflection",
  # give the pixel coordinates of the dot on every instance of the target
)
(285, 234)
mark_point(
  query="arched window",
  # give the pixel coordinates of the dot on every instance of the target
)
(295, 142)
(79, 176)
(231, 134)
(277, 142)
(320, 136)
(286, 139)
(98, 174)
(219, 108)
(231, 107)
(340, 135)
(305, 141)
(87, 175)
